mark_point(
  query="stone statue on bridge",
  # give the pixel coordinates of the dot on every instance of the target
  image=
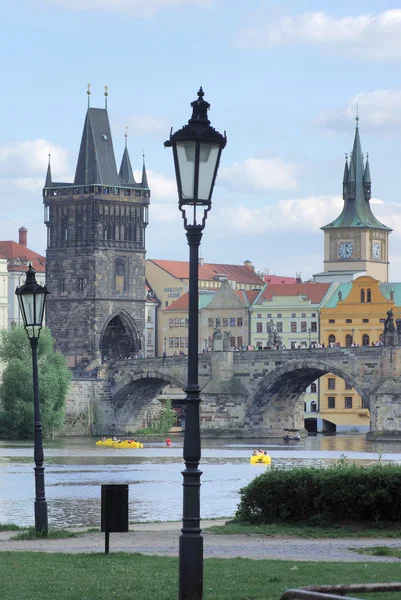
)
(391, 331)
(275, 341)
(217, 345)
(389, 326)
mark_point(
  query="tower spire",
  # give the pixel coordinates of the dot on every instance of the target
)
(126, 173)
(106, 93)
(88, 91)
(48, 181)
(144, 176)
(356, 212)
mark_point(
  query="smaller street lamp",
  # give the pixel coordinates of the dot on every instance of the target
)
(352, 331)
(309, 332)
(32, 300)
(165, 345)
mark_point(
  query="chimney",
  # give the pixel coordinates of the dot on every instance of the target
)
(23, 236)
(248, 263)
(201, 261)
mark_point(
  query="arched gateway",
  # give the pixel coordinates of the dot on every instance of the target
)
(120, 338)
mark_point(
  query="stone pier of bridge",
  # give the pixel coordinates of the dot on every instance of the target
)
(244, 394)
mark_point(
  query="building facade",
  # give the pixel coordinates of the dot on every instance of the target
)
(224, 309)
(18, 257)
(354, 314)
(95, 258)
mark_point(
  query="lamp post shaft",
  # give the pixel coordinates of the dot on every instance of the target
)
(191, 540)
(41, 521)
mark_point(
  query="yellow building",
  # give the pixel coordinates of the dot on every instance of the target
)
(353, 315)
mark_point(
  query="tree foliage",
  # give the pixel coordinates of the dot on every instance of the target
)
(16, 391)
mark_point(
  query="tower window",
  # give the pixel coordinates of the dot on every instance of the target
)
(362, 295)
(80, 284)
(61, 285)
(368, 295)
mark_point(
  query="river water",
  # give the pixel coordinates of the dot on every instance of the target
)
(76, 468)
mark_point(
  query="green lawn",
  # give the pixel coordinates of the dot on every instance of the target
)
(305, 531)
(45, 576)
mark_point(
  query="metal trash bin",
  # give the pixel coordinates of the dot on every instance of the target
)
(114, 510)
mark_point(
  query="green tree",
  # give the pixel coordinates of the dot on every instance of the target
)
(16, 391)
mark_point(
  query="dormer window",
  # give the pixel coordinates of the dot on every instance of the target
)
(104, 137)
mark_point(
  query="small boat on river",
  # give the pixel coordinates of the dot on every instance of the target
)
(260, 459)
(110, 443)
(291, 435)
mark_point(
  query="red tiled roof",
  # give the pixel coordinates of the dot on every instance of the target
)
(250, 294)
(208, 271)
(278, 279)
(314, 291)
(18, 257)
(181, 304)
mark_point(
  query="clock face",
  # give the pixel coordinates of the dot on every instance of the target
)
(346, 249)
(376, 250)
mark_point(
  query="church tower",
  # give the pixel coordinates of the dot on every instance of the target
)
(356, 241)
(95, 258)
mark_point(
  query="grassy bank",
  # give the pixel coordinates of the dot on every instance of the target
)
(307, 531)
(42, 576)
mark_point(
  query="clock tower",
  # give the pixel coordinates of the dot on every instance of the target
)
(356, 241)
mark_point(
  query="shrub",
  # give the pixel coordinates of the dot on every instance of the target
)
(338, 494)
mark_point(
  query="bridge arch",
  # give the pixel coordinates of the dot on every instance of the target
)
(133, 396)
(278, 399)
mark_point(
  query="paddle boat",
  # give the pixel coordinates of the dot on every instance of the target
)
(110, 443)
(260, 458)
(291, 435)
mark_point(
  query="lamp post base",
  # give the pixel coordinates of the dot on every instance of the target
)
(41, 523)
(191, 567)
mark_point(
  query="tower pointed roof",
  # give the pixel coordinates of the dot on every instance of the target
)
(345, 177)
(126, 173)
(366, 175)
(357, 211)
(144, 176)
(96, 162)
(48, 181)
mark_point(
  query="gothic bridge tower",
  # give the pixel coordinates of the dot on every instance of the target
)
(356, 241)
(95, 254)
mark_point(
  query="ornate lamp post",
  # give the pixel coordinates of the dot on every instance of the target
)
(32, 299)
(197, 149)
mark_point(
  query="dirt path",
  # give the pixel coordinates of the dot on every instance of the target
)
(162, 539)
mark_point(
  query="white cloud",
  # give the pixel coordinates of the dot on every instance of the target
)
(260, 175)
(307, 214)
(25, 163)
(140, 8)
(365, 36)
(378, 110)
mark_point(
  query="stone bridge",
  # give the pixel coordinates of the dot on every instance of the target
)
(250, 393)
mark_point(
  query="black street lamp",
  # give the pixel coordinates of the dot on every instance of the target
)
(309, 332)
(165, 345)
(197, 149)
(32, 300)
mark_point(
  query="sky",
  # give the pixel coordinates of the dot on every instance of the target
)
(283, 79)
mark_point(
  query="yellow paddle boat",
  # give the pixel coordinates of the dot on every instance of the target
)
(110, 443)
(260, 458)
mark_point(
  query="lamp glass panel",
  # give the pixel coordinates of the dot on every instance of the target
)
(28, 301)
(186, 162)
(208, 156)
(40, 307)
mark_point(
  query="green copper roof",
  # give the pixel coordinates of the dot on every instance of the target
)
(356, 193)
(344, 289)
